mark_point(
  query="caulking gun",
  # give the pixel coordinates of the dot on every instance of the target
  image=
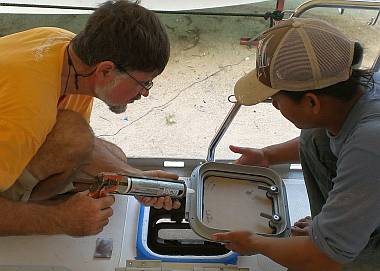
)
(116, 183)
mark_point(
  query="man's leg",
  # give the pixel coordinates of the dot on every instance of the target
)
(318, 166)
(67, 147)
(49, 173)
(72, 155)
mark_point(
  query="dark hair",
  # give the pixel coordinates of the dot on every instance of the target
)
(345, 90)
(125, 33)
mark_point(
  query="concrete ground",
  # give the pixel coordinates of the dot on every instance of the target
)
(189, 100)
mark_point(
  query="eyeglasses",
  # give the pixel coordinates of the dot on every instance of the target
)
(146, 85)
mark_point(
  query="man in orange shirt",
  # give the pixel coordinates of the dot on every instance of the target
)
(49, 78)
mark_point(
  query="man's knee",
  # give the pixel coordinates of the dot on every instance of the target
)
(313, 138)
(72, 133)
(315, 152)
(315, 144)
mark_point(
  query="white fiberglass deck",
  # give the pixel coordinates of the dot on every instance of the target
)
(76, 254)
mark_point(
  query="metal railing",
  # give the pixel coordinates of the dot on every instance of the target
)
(343, 4)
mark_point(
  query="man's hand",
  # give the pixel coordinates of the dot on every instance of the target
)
(162, 202)
(82, 215)
(295, 253)
(302, 227)
(238, 241)
(251, 157)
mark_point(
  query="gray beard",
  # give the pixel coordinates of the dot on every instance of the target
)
(117, 109)
(100, 93)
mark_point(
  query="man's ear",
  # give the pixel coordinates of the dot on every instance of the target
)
(312, 102)
(105, 71)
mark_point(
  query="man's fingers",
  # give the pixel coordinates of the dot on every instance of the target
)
(104, 222)
(238, 241)
(301, 224)
(235, 236)
(168, 203)
(176, 204)
(161, 174)
(305, 219)
(100, 226)
(236, 248)
(295, 231)
(230, 246)
(106, 213)
(160, 203)
(218, 236)
(237, 149)
(149, 201)
(167, 175)
(106, 202)
(152, 201)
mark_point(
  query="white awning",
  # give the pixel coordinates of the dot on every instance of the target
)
(79, 6)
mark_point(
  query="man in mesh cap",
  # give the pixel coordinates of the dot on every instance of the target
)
(309, 69)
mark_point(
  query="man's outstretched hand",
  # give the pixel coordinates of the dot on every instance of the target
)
(160, 202)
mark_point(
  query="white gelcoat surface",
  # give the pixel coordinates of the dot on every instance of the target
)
(76, 254)
(234, 204)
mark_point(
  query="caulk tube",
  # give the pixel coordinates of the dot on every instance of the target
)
(151, 187)
(142, 186)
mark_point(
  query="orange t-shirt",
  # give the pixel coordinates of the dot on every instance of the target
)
(30, 84)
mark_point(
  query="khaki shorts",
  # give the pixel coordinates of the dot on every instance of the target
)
(23, 187)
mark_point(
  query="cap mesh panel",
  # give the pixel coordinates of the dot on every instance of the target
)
(333, 52)
(292, 62)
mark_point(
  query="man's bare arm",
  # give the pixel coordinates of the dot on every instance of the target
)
(286, 152)
(78, 215)
(283, 153)
(295, 253)
(21, 218)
